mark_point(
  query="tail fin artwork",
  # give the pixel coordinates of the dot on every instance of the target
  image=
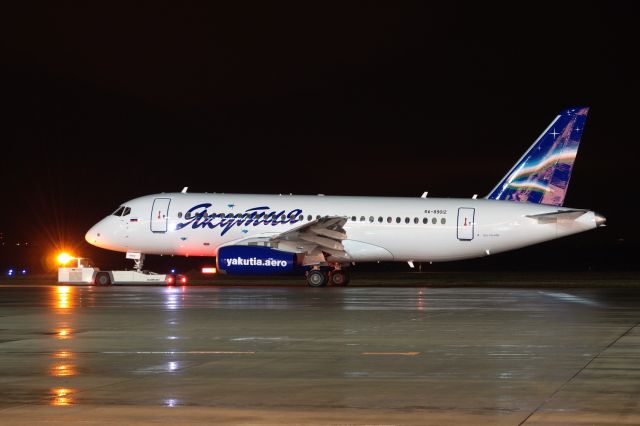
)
(542, 175)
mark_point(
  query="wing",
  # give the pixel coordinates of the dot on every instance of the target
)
(318, 241)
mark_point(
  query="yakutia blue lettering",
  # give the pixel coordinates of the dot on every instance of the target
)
(198, 217)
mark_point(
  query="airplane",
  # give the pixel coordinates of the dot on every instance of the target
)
(322, 236)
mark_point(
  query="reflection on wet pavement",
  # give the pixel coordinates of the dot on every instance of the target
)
(497, 355)
(64, 298)
(63, 333)
(61, 396)
(62, 367)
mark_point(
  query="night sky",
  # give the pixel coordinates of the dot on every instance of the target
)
(104, 103)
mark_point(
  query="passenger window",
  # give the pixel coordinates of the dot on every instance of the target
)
(187, 216)
(425, 220)
(416, 220)
(353, 218)
(443, 220)
(398, 220)
(179, 215)
(389, 219)
(407, 220)
(309, 217)
(301, 217)
(434, 220)
(380, 219)
(361, 218)
(371, 219)
(318, 217)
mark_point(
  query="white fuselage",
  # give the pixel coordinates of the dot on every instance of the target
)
(393, 229)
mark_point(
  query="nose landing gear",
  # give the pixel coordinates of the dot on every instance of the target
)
(138, 262)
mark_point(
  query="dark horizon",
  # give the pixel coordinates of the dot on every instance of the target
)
(102, 105)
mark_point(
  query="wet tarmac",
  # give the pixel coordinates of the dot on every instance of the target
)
(357, 355)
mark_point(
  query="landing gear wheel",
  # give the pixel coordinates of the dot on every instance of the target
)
(102, 278)
(339, 278)
(317, 278)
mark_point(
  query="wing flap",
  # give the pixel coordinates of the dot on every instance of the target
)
(320, 241)
(336, 235)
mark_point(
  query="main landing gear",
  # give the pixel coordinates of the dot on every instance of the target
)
(321, 277)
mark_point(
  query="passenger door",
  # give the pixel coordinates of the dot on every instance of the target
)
(466, 217)
(160, 214)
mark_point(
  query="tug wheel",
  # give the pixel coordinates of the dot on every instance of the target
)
(102, 278)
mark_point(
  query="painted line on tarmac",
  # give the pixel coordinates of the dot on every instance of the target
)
(392, 353)
(181, 352)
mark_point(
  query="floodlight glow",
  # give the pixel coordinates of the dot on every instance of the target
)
(64, 258)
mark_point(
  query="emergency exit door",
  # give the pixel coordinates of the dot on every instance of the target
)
(466, 216)
(160, 214)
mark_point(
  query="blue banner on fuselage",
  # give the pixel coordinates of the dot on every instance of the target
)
(254, 260)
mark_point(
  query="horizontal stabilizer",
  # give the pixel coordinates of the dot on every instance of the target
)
(561, 215)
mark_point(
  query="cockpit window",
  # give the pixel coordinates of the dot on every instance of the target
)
(119, 211)
(127, 210)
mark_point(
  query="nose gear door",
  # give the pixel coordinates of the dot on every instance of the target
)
(160, 214)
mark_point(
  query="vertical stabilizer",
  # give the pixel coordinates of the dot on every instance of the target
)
(542, 175)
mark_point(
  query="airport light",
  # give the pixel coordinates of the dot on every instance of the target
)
(64, 258)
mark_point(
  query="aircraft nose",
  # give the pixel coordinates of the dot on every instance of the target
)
(93, 235)
(600, 220)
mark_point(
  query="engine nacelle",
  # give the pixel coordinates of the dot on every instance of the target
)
(255, 260)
